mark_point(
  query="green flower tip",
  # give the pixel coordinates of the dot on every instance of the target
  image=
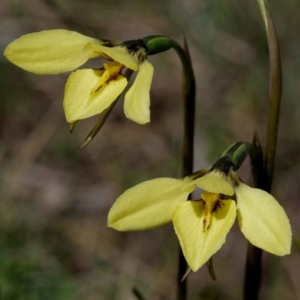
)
(157, 43)
(236, 154)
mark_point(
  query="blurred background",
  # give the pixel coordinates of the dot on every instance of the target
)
(54, 243)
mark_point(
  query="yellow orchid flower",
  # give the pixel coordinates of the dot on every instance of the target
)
(201, 226)
(87, 92)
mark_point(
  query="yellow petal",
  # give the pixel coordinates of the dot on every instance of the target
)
(81, 103)
(50, 51)
(263, 221)
(119, 54)
(214, 182)
(147, 205)
(198, 246)
(137, 99)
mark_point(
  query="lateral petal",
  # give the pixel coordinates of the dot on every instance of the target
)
(214, 182)
(198, 246)
(147, 205)
(51, 51)
(137, 99)
(119, 54)
(263, 221)
(79, 101)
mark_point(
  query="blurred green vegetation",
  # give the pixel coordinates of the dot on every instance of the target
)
(28, 269)
(54, 243)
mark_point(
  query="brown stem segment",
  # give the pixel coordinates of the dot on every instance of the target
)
(253, 273)
(254, 254)
(265, 170)
(189, 93)
(156, 44)
(275, 90)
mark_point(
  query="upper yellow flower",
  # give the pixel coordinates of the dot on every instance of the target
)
(88, 92)
(202, 226)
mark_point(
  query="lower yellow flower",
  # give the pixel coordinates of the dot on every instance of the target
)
(201, 226)
(88, 92)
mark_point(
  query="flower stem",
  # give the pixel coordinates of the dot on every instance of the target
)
(264, 170)
(275, 100)
(154, 45)
(189, 93)
(254, 254)
(253, 273)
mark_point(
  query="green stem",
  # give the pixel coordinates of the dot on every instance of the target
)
(264, 174)
(189, 93)
(156, 44)
(253, 272)
(275, 89)
(254, 254)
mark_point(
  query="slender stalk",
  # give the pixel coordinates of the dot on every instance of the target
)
(253, 273)
(254, 254)
(275, 90)
(264, 175)
(189, 93)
